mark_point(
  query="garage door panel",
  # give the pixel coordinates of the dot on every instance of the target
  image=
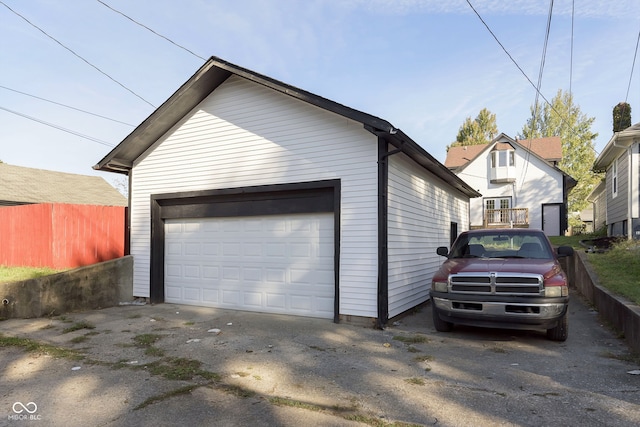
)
(252, 299)
(278, 264)
(210, 297)
(210, 272)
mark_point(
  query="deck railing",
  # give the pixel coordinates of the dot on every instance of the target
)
(512, 217)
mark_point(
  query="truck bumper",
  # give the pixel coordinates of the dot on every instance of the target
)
(514, 314)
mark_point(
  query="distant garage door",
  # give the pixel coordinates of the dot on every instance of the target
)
(274, 263)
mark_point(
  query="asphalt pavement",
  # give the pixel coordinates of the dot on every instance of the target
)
(165, 365)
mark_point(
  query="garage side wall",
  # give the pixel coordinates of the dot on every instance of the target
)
(246, 135)
(421, 210)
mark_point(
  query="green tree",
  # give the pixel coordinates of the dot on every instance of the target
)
(621, 116)
(563, 118)
(480, 130)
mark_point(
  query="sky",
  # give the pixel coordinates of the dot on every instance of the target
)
(422, 65)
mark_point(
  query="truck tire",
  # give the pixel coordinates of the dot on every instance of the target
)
(438, 323)
(561, 331)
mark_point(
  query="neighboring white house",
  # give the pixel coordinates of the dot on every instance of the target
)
(521, 185)
(251, 194)
(620, 159)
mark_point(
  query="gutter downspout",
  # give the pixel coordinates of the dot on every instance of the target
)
(629, 192)
(383, 212)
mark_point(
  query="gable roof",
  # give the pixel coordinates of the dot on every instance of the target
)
(216, 71)
(549, 149)
(618, 143)
(20, 185)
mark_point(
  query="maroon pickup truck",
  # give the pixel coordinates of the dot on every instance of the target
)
(502, 278)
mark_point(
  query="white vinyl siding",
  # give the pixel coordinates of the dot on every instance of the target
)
(421, 210)
(245, 134)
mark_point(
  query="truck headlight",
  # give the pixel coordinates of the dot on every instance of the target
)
(556, 291)
(440, 286)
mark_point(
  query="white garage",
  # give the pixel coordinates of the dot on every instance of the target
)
(275, 263)
(251, 194)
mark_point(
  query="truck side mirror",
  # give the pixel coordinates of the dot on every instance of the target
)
(564, 251)
(442, 251)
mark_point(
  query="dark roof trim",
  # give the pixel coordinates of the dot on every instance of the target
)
(405, 144)
(212, 74)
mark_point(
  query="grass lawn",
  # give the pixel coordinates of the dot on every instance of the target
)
(15, 274)
(618, 269)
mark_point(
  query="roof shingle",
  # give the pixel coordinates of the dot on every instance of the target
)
(549, 148)
(20, 185)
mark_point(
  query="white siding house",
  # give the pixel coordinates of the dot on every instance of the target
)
(250, 194)
(519, 187)
(620, 160)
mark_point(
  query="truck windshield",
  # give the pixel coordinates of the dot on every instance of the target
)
(501, 245)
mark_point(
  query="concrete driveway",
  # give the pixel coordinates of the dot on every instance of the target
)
(173, 365)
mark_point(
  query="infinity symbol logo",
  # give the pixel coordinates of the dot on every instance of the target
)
(26, 407)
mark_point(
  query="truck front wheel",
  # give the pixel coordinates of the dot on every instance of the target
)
(438, 323)
(561, 331)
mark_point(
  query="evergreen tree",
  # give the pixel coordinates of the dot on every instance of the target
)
(621, 116)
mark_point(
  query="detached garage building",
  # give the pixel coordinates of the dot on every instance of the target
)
(250, 194)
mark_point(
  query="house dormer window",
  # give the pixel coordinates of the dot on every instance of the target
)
(503, 162)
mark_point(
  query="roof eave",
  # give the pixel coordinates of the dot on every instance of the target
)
(190, 94)
(427, 161)
(618, 143)
(213, 73)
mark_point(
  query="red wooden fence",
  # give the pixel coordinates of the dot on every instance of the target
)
(60, 235)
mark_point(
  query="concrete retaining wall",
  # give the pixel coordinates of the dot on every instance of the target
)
(95, 286)
(620, 313)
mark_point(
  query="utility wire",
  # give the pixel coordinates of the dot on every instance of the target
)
(99, 141)
(508, 54)
(77, 55)
(562, 117)
(632, 66)
(536, 104)
(571, 54)
(149, 29)
(66, 106)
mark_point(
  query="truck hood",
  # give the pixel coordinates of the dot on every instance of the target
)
(544, 267)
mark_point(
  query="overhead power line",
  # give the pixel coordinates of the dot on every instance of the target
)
(632, 67)
(90, 138)
(540, 72)
(507, 52)
(66, 106)
(149, 29)
(76, 54)
(562, 117)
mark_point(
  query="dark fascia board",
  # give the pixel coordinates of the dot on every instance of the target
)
(409, 147)
(190, 94)
(213, 73)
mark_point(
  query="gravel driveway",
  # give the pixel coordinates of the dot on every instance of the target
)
(171, 365)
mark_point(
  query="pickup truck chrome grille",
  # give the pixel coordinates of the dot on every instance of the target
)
(496, 284)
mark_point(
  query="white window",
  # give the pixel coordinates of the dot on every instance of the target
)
(496, 210)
